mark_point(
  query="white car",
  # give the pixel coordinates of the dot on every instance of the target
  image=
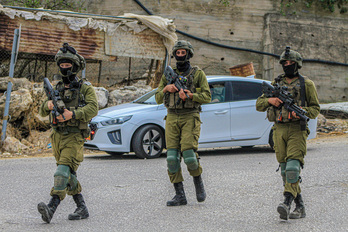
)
(229, 120)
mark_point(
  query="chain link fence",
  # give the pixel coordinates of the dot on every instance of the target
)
(101, 73)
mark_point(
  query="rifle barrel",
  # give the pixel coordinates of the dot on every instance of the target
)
(271, 91)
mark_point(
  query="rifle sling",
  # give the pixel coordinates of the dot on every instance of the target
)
(303, 123)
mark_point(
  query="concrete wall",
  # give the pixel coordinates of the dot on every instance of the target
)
(314, 38)
(256, 25)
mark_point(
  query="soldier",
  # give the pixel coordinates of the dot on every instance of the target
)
(183, 122)
(289, 132)
(69, 132)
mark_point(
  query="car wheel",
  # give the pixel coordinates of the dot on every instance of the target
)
(148, 142)
(270, 139)
(114, 153)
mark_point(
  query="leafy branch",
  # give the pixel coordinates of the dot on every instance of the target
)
(224, 2)
(325, 4)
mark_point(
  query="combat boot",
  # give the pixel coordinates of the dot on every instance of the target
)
(200, 192)
(48, 210)
(299, 211)
(179, 198)
(81, 211)
(284, 208)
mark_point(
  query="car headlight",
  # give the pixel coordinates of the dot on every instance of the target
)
(115, 121)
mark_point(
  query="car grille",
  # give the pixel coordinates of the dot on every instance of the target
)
(115, 136)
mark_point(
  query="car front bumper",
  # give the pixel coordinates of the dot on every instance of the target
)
(115, 138)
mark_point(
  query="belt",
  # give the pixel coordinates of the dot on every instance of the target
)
(67, 129)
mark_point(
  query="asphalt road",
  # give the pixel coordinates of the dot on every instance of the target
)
(128, 194)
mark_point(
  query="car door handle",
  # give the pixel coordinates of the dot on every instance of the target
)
(221, 112)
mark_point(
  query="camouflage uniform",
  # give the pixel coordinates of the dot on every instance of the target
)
(289, 139)
(183, 123)
(68, 137)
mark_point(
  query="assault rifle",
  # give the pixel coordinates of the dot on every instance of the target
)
(173, 78)
(58, 104)
(286, 97)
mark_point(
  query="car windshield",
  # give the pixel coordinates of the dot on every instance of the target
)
(148, 98)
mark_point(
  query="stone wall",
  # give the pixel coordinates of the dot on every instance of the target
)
(256, 25)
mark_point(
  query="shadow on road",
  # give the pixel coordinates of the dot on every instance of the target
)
(235, 151)
(125, 156)
(201, 152)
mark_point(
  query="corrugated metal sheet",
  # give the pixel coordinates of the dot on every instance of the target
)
(46, 36)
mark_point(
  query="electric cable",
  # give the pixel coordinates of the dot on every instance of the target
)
(238, 48)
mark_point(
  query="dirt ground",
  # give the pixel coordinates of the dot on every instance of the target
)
(333, 137)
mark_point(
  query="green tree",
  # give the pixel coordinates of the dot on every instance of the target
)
(330, 5)
(224, 2)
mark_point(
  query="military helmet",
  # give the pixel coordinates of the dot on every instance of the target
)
(183, 44)
(291, 55)
(68, 52)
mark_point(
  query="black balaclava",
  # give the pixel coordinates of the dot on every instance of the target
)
(290, 71)
(182, 62)
(67, 73)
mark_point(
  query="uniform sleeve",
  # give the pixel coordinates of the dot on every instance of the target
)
(262, 103)
(43, 110)
(313, 107)
(159, 93)
(90, 110)
(202, 94)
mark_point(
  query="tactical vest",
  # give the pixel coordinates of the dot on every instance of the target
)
(282, 115)
(172, 100)
(73, 99)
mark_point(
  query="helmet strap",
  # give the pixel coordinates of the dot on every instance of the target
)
(68, 74)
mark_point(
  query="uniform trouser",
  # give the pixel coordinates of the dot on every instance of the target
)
(68, 150)
(290, 143)
(182, 133)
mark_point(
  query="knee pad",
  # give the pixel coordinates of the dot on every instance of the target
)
(293, 168)
(282, 171)
(190, 159)
(61, 177)
(173, 160)
(72, 183)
